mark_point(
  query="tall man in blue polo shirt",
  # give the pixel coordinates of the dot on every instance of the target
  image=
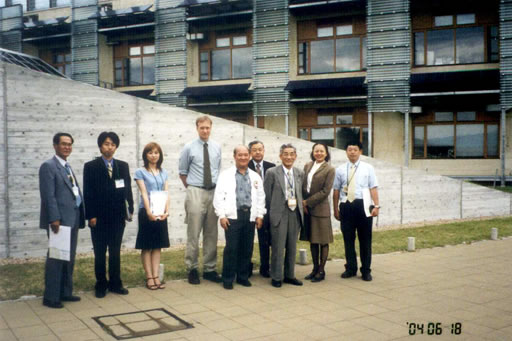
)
(199, 169)
(354, 190)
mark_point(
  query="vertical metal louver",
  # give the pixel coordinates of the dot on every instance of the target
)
(11, 26)
(84, 42)
(389, 55)
(171, 52)
(271, 57)
(506, 53)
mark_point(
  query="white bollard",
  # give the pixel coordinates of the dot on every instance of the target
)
(494, 233)
(303, 256)
(411, 244)
(161, 273)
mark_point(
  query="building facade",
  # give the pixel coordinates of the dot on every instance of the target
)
(421, 83)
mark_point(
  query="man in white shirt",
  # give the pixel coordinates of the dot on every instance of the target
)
(260, 166)
(355, 187)
(239, 202)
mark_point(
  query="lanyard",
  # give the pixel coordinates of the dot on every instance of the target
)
(288, 179)
(350, 180)
(156, 180)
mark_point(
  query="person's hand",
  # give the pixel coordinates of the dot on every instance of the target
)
(259, 223)
(151, 217)
(375, 212)
(337, 213)
(305, 206)
(55, 226)
(224, 222)
(164, 216)
(92, 222)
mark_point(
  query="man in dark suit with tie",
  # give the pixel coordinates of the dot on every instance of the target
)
(283, 192)
(61, 204)
(108, 202)
(260, 166)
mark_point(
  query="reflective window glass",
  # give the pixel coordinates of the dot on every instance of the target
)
(419, 140)
(149, 49)
(241, 40)
(466, 116)
(470, 140)
(346, 134)
(443, 116)
(419, 48)
(344, 119)
(440, 48)
(325, 32)
(135, 51)
(323, 135)
(343, 30)
(322, 120)
(303, 134)
(242, 66)
(322, 56)
(464, 19)
(443, 20)
(492, 140)
(135, 74)
(149, 70)
(222, 42)
(220, 64)
(470, 45)
(440, 141)
(348, 54)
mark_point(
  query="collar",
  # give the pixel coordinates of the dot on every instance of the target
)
(202, 141)
(286, 170)
(106, 162)
(356, 163)
(61, 160)
(257, 163)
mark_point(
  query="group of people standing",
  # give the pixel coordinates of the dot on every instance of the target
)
(283, 203)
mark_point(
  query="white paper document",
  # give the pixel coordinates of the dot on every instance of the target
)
(367, 201)
(60, 243)
(158, 202)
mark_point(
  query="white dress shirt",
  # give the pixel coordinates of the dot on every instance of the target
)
(312, 172)
(364, 177)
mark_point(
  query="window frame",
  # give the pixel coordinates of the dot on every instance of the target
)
(482, 118)
(211, 45)
(454, 26)
(124, 52)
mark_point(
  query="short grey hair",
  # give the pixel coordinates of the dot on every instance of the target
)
(238, 147)
(287, 145)
(255, 142)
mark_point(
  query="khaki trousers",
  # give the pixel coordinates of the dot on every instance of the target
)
(201, 217)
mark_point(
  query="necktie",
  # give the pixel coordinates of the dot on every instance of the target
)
(78, 199)
(258, 170)
(289, 184)
(109, 169)
(207, 173)
(351, 195)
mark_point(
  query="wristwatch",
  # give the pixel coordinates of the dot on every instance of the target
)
(376, 206)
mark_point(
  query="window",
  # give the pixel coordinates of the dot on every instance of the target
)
(226, 56)
(59, 58)
(456, 39)
(134, 64)
(35, 5)
(452, 134)
(334, 127)
(331, 48)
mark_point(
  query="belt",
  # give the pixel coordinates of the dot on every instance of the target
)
(205, 188)
(244, 209)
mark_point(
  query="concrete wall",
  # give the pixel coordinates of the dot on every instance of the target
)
(35, 106)
(388, 137)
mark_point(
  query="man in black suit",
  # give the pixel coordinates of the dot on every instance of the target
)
(260, 166)
(108, 202)
(61, 205)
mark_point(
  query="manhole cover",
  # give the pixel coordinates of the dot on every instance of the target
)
(141, 323)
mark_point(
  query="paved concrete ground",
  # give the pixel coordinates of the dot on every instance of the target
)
(469, 284)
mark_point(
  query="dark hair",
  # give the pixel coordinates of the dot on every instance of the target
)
(149, 147)
(108, 134)
(285, 146)
(327, 157)
(255, 142)
(201, 119)
(56, 137)
(354, 143)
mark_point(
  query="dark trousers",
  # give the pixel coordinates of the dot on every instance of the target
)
(238, 250)
(264, 245)
(58, 274)
(107, 236)
(354, 219)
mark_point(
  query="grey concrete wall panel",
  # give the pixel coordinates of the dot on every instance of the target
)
(388, 55)
(506, 53)
(170, 52)
(36, 105)
(11, 27)
(270, 57)
(84, 42)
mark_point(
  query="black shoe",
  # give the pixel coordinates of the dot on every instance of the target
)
(276, 284)
(212, 276)
(119, 291)
(50, 304)
(347, 274)
(292, 281)
(367, 277)
(70, 298)
(193, 277)
(244, 282)
(265, 273)
(311, 275)
(228, 285)
(318, 277)
(100, 293)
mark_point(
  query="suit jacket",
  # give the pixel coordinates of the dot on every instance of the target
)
(102, 199)
(266, 166)
(317, 199)
(57, 197)
(275, 193)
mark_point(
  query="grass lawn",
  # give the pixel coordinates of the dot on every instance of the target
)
(17, 280)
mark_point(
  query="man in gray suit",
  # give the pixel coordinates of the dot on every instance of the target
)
(61, 204)
(283, 192)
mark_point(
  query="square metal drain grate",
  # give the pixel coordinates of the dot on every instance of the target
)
(141, 323)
